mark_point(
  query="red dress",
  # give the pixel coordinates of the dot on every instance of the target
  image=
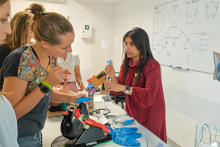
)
(146, 104)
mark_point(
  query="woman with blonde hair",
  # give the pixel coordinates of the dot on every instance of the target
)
(21, 34)
(8, 123)
(31, 71)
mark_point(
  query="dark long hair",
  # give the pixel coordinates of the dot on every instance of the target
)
(141, 40)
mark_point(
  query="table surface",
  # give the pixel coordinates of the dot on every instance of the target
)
(52, 129)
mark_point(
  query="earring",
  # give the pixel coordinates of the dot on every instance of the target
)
(141, 56)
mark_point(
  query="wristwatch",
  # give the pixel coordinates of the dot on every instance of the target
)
(44, 88)
(80, 82)
(127, 89)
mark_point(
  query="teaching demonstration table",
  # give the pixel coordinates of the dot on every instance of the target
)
(52, 129)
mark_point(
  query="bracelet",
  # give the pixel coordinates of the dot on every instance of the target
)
(48, 85)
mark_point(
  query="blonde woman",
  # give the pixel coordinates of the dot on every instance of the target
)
(8, 123)
(31, 71)
(21, 34)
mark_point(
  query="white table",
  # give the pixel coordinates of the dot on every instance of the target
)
(52, 129)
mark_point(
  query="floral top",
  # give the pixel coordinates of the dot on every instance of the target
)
(31, 70)
(24, 63)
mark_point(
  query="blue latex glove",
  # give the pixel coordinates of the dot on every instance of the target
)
(126, 136)
(125, 130)
(126, 140)
(135, 135)
(83, 99)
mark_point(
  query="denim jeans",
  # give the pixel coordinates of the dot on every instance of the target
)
(30, 141)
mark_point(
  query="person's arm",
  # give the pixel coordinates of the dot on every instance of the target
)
(114, 79)
(118, 81)
(22, 104)
(146, 96)
(77, 74)
(59, 97)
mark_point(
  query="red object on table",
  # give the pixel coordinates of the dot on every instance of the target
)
(90, 78)
(92, 122)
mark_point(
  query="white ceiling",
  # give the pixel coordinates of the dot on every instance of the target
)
(105, 1)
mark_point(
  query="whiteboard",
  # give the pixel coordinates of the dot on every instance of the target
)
(186, 32)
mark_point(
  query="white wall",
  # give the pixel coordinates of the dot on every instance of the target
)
(191, 97)
(99, 15)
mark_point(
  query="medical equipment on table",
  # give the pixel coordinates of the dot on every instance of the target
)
(81, 131)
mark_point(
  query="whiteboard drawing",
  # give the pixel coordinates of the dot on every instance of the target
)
(186, 33)
(160, 18)
(170, 39)
(191, 12)
(211, 8)
(174, 14)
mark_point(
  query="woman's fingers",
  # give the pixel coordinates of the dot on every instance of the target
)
(55, 68)
(65, 71)
(107, 86)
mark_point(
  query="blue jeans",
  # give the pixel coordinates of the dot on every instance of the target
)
(30, 141)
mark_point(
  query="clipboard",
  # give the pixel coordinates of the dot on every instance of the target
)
(99, 79)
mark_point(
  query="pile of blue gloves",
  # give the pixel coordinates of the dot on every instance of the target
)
(125, 136)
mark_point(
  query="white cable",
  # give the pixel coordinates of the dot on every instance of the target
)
(119, 116)
(103, 111)
(104, 101)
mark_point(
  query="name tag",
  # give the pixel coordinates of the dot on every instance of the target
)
(137, 74)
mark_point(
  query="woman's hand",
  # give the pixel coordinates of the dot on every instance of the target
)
(81, 87)
(112, 86)
(54, 76)
(66, 78)
(66, 72)
(109, 69)
(75, 97)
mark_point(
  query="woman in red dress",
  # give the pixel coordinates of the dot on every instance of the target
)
(140, 79)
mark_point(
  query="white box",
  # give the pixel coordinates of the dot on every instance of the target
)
(86, 31)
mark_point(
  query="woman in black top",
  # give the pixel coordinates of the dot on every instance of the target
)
(20, 35)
